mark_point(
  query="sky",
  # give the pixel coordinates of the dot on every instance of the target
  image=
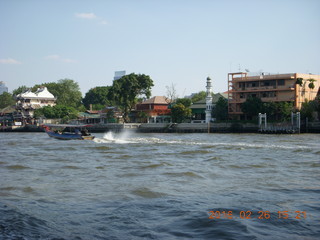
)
(176, 42)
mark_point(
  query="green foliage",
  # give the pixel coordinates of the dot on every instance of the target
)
(6, 99)
(124, 91)
(252, 107)
(311, 83)
(284, 110)
(299, 81)
(66, 91)
(81, 108)
(278, 110)
(198, 96)
(308, 108)
(179, 113)
(185, 101)
(98, 97)
(220, 111)
(271, 109)
(58, 111)
(19, 90)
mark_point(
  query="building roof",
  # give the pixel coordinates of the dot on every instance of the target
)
(157, 100)
(27, 94)
(44, 93)
(6, 110)
(40, 93)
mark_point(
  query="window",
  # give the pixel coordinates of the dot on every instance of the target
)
(281, 82)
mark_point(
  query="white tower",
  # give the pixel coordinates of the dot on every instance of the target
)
(208, 100)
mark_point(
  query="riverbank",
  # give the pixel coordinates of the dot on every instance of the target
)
(227, 127)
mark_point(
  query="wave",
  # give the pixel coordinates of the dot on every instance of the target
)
(17, 167)
(147, 193)
(131, 138)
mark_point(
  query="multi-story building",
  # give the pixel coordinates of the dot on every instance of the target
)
(28, 101)
(291, 87)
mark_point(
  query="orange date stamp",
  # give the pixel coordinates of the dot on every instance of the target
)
(257, 215)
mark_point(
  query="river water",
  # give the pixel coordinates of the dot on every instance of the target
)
(160, 186)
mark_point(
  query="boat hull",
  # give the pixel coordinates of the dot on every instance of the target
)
(69, 136)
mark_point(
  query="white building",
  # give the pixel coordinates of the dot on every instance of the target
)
(28, 101)
(209, 100)
(3, 88)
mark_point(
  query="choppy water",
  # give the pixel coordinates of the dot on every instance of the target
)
(160, 186)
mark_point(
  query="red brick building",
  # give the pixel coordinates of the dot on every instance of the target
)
(153, 110)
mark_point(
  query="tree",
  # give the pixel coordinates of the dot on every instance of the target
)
(198, 96)
(252, 107)
(311, 83)
(124, 91)
(6, 99)
(67, 92)
(310, 108)
(284, 110)
(179, 113)
(171, 93)
(57, 111)
(220, 111)
(98, 97)
(185, 101)
(299, 81)
(19, 90)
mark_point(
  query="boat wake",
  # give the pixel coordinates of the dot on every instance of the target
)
(110, 137)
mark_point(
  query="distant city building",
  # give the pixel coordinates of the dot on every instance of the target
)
(118, 74)
(3, 88)
(270, 88)
(28, 101)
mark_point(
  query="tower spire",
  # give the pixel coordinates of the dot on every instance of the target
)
(208, 100)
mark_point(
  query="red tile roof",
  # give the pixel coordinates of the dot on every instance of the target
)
(157, 100)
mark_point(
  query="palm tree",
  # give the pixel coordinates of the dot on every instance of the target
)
(311, 85)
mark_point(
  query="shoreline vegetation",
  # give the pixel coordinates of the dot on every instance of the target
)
(222, 127)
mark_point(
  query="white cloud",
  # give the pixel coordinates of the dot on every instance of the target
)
(86, 15)
(103, 22)
(56, 57)
(9, 61)
(68, 60)
(91, 16)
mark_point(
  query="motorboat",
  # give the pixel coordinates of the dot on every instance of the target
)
(68, 131)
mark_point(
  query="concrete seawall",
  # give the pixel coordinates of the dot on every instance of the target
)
(198, 127)
(312, 127)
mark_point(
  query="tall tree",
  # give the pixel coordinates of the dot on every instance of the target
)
(284, 110)
(198, 96)
(185, 101)
(252, 107)
(171, 93)
(58, 111)
(124, 91)
(179, 113)
(67, 92)
(98, 97)
(6, 99)
(220, 111)
(19, 90)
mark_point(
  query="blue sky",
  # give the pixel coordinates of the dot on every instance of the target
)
(178, 42)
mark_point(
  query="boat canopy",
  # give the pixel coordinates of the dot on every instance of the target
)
(68, 125)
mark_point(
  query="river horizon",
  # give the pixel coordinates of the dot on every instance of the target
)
(160, 186)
